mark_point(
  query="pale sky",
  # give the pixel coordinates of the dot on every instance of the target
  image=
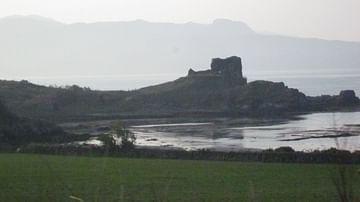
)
(327, 19)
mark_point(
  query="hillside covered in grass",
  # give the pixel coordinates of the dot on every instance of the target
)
(59, 178)
(16, 131)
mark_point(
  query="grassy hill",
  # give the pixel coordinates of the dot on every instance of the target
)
(55, 103)
(59, 178)
(16, 131)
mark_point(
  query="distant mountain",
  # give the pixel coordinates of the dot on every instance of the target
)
(36, 46)
(27, 18)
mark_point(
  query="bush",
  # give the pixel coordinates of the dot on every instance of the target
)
(109, 142)
(285, 149)
(127, 138)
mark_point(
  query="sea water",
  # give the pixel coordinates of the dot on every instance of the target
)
(317, 131)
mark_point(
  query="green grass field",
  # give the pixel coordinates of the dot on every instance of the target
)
(59, 178)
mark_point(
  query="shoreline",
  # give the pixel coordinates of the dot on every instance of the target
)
(227, 134)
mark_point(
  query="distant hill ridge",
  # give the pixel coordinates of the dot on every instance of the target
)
(40, 47)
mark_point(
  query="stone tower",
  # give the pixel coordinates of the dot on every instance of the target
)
(230, 67)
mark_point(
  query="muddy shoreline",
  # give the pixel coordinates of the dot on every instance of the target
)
(304, 132)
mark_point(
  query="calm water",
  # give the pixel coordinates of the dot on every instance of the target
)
(308, 133)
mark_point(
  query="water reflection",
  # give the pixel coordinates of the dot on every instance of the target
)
(309, 132)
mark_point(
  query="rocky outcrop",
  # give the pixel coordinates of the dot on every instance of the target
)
(348, 98)
(345, 100)
(266, 97)
(191, 72)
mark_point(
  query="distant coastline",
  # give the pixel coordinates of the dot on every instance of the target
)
(310, 84)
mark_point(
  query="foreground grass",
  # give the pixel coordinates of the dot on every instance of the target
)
(58, 178)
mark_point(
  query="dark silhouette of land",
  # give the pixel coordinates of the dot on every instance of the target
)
(220, 91)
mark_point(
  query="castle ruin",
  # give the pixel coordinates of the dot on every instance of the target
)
(229, 68)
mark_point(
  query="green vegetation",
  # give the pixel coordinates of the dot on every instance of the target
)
(127, 138)
(60, 178)
(16, 131)
(57, 103)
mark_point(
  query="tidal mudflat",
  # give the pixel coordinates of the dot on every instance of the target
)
(304, 132)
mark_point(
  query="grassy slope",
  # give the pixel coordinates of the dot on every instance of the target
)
(55, 178)
(54, 104)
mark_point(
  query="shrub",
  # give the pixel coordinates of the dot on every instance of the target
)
(109, 142)
(127, 138)
(284, 149)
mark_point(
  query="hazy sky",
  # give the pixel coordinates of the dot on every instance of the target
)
(328, 19)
